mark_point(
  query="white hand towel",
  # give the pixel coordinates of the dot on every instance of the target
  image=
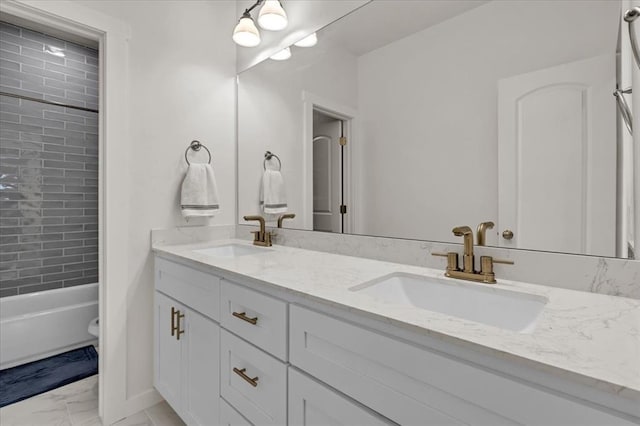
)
(272, 193)
(199, 192)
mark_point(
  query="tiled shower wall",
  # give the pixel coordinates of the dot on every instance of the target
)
(48, 163)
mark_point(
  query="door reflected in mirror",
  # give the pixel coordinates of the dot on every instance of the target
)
(409, 118)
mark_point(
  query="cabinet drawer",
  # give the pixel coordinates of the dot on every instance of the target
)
(313, 404)
(263, 402)
(257, 318)
(198, 290)
(412, 385)
(230, 417)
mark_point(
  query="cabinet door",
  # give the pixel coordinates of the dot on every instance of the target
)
(167, 363)
(200, 369)
(312, 404)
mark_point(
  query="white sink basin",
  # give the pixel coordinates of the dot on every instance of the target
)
(481, 303)
(231, 250)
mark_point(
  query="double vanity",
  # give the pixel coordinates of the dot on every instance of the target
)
(249, 335)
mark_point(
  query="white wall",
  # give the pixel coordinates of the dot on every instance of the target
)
(428, 109)
(181, 78)
(270, 110)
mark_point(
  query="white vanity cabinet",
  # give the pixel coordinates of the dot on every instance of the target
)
(238, 354)
(413, 385)
(187, 343)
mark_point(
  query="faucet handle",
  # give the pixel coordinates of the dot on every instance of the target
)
(452, 260)
(486, 267)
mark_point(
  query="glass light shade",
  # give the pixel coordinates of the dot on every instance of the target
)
(282, 55)
(246, 34)
(272, 16)
(309, 41)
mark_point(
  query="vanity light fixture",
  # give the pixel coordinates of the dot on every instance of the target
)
(282, 55)
(272, 17)
(245, 33)
(309, 41)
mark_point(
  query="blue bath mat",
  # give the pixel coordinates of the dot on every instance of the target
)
(34, 378)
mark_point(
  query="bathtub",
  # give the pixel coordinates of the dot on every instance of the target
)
(37, 325)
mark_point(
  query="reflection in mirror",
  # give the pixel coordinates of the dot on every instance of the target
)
(409, 118)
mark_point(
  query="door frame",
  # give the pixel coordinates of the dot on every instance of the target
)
(348, 115)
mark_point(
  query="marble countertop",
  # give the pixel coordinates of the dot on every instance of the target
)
(591, 338)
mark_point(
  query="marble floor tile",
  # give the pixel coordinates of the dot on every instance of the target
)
(91, 422)
(41, 410)
(76, 404)
(82, 407)
(138, 419)
(72, 390)
(163, 415)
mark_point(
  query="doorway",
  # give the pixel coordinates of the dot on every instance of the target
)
(49, 184)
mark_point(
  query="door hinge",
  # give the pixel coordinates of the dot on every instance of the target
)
(343, 209)
(343, 141)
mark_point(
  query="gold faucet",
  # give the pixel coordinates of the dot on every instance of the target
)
(467, 258)
(485, 275)
(261, 237)
(482, 232)
(285, 216)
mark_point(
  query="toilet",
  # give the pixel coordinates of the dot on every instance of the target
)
(94, 328)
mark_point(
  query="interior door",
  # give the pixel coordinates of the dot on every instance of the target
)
(201, 364)
(557, 158)
(327, 176)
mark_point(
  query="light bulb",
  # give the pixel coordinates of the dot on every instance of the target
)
(245, 33)
(282, 55)
(308, 41)
(272, 16)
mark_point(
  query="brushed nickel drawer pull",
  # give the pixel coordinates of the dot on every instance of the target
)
(243, 316)
(253, 382)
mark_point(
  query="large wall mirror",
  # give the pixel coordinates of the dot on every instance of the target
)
(408, 118)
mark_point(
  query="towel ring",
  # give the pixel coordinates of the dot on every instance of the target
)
(268, 156)
(196, 145)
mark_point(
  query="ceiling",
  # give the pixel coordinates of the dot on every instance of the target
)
(381, 22)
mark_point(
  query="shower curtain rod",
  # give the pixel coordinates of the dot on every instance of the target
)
(42, 101)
